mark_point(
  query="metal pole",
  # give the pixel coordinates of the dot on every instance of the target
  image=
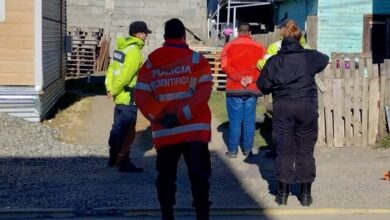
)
(228, 13)
(219, 8)
(234, 21)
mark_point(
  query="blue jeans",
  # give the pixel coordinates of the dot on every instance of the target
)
(242, 115)
(125, 117)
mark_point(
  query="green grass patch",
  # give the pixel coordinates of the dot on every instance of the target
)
(217, 105)
(385, 142)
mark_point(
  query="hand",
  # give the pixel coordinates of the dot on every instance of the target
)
(169, 120)
(109, 95)
(244, 82)
(249, 80)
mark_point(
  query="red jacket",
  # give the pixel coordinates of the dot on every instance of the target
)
(239, 58)
(177, 80)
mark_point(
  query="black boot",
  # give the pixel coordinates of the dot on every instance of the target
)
(305, 197)
(126, 166)
(203, 212)
(167, 213)
(283, 192)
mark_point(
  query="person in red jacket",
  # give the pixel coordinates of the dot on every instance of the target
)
(239, 58)
(172, 91)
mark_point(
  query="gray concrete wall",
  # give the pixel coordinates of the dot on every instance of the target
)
(91, 13)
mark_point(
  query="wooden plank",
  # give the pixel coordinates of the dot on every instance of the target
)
(357, 97)
(382, 115)
(22, 79)
(369, 66)
(20, 17)
(387, 86)
(347, 110)
(365, 112)
(19, 5)
(373, 112)
(312, 31)
(17, 66)
(16, 42)
(8, 54)
(16, 29)
(338, 98)
(321, 118)
(328, 106)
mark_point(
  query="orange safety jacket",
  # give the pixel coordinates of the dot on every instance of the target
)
(239, 58)
(175, 79)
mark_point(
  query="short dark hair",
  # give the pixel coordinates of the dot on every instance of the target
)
(174, 29)
(244, 28)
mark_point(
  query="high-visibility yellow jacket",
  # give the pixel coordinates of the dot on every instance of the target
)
(273, 50)
(122, 72)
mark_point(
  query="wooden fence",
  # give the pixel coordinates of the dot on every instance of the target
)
(352, 97)
(352, 104)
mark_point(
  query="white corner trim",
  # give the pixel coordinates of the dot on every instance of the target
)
(38, 45)
(2, 10)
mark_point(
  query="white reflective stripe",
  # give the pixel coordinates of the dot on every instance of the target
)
(143, 86)
(205, 78)
(279, 44)
(149, 64)
(182, 129)
(267, 56)
(187, 112)
(193, 83)
(115, 72)
(174, 96)
(195, 58)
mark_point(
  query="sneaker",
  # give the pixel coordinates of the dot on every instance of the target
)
(129, 167)
(231, 154)
(248, 154)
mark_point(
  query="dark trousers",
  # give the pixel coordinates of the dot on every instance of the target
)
(295, 131)
(123, 127)
(197, 158)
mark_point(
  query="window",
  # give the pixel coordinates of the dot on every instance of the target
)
(2, 10)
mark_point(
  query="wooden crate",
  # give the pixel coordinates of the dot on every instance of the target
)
(213, 55)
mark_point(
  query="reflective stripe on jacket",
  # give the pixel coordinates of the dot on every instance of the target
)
(176, 80)
(122, 72)
(239, 59)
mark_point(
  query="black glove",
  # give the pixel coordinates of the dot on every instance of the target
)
(169, 120)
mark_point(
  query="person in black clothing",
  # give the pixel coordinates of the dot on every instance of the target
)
(289, 76)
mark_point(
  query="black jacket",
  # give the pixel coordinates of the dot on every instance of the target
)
(289, 75)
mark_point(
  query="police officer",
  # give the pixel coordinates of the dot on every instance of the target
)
(173, 88)
(289, 76)
(120, 81)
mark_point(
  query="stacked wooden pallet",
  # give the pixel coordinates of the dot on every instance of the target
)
(85, 50)
(213, 55)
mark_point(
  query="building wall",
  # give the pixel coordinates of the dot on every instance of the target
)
(90, 13)
(297, 10)
(17, 43)
(53, 53)
(340, 23)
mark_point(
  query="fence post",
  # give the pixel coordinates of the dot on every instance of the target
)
(387, 85)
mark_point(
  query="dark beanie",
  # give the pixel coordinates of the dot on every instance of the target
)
(174, 29)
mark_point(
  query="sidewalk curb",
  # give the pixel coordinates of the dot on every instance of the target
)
(131, 212)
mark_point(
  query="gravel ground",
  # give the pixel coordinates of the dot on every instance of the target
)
(36, 171)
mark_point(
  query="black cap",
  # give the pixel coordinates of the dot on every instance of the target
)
(139, 27)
